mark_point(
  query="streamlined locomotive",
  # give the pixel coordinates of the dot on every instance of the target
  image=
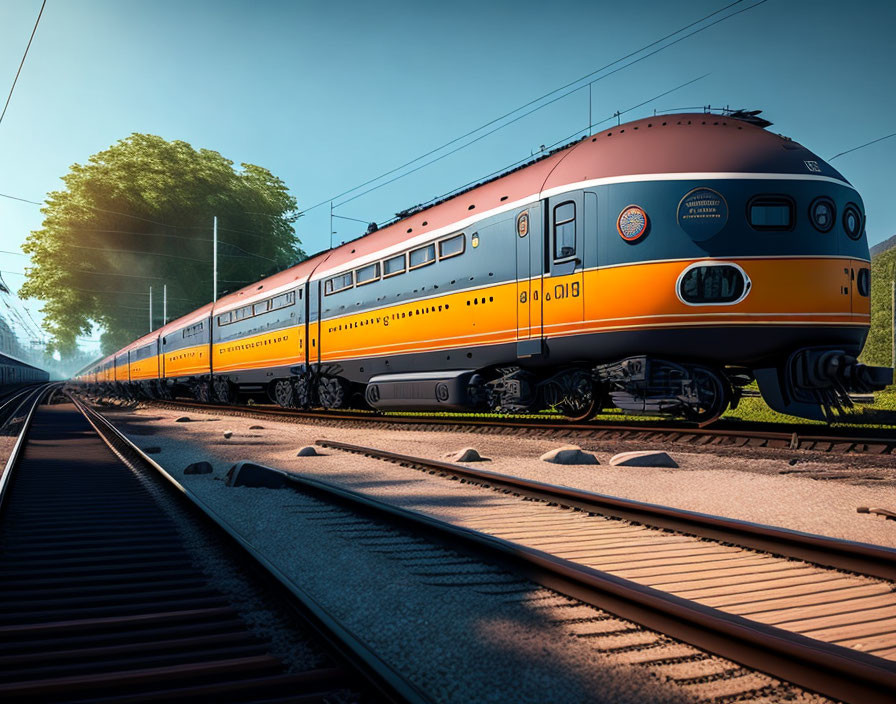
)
(658, 266)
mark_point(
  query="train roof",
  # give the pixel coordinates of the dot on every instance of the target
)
(282, 280)
(185, 320)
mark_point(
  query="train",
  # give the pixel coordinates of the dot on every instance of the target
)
(659, 266)
(15, 373)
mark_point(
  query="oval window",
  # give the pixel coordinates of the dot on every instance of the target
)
(712, 284)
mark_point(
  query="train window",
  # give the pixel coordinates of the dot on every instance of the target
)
(422, 257)
(771, 213)
(339, 283)
(225, 318)
(452, 246)
(368, 274)
(712, 284)
(565, 230)
(395, 265)
(242, 313)
(283, 300)
(260, 308)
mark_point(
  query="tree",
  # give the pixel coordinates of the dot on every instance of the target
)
(139, 214)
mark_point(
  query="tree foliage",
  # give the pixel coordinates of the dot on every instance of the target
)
(139, 214)
(878, 348)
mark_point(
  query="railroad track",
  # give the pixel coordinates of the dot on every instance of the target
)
(810, 610)
(114, 588)
(803, 438)
(815, 611)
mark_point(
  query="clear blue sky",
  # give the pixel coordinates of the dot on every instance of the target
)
(327, 95)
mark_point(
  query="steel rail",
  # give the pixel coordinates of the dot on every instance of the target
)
(34, 395)
(864, 558)
(392, 686)
(795, 440)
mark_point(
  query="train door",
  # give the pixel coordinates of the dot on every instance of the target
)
(563, 302)
(529, 247)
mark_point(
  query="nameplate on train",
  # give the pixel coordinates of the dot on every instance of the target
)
(702, 213)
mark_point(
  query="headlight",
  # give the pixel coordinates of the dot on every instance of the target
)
(822, 213)
(852, 221)
(863, 281)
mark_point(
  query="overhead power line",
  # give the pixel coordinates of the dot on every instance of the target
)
(546, 95)
(566, 139)
(22, 62)
(862, 146)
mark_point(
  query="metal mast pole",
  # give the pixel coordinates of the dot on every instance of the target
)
(331, 224)
(893, 321)
(164, 304)
(150, 308)
(215, 258)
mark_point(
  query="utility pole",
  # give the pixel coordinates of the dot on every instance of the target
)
(150, 308)
(331, 225)
(893, 321)
(215, 258)
(164, 304)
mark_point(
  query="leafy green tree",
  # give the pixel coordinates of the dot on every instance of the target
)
(878, 348)
(139, 214)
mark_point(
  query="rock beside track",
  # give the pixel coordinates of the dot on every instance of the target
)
(254, 475)
(643, 458)
(198, 468)
(569, 454)
(308, 451)
(468, 454)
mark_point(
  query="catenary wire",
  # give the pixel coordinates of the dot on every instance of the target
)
(542, 97)
(862, 146)
(554, 100)
(22, 62)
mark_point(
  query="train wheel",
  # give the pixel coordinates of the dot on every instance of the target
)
(224, 391)
(582, 403)
(573, 394)
(714, 396)
(202, 392)
(283, 393)
(332, 392)
(301, 392)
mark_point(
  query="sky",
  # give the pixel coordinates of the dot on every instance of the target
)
(328, 95)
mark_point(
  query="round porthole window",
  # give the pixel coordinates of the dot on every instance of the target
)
(632, 223)
(822, 213)
(852, 221)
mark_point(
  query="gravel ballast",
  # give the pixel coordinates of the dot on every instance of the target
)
(512, 641)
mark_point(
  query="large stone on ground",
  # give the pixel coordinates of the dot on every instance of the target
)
(228, 434)
(468, 454)
(643, 458)
(307, 451)
(183, 419)
(256, 476)
(198, 468)
(569, 454)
